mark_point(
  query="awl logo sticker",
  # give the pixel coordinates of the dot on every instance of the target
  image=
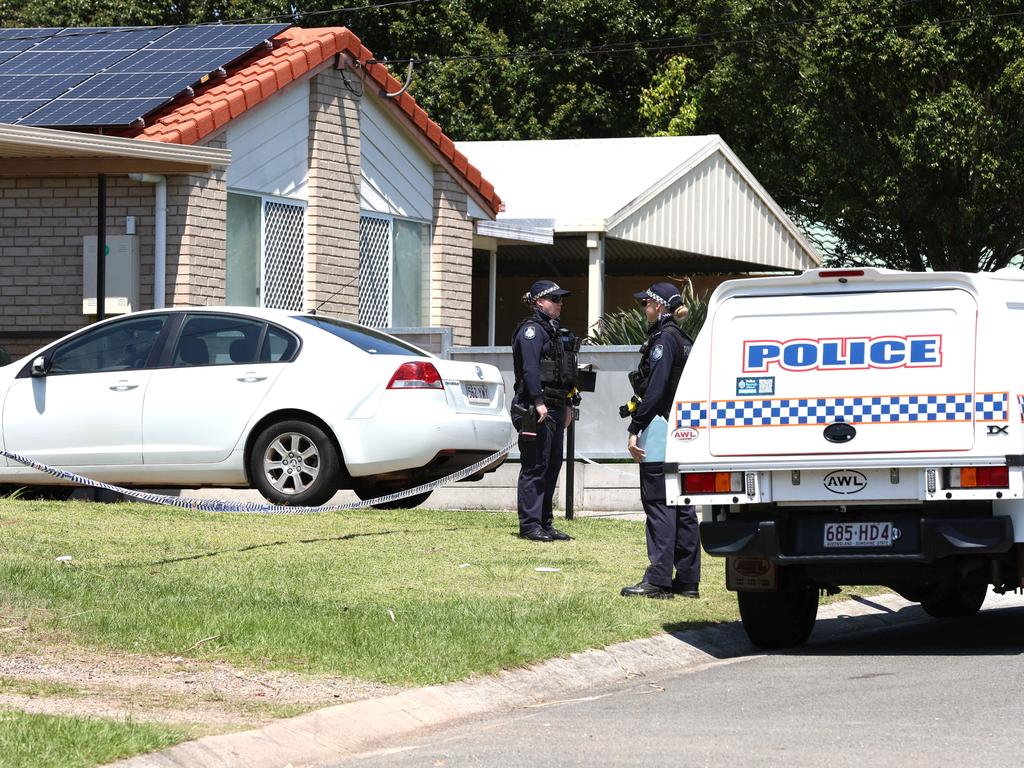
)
(843, 354)
(845, 482)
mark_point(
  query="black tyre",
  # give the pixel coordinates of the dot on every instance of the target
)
(294, 463)
(409, 502)
(779, 619)
(958, 600)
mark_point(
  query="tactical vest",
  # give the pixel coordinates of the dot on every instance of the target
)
(558, 361)
(642, 375)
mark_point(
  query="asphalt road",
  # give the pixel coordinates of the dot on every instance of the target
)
(939, 693)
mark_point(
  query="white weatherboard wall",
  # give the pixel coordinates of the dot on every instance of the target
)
(270, 145)
(397, 176)
(712, 209)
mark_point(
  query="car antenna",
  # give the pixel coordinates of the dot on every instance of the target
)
(346, 285)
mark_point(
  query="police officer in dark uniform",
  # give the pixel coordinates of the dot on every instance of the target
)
(672, 534)
(544, 359)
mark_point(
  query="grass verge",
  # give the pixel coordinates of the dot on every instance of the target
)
(410, 597)
(42, 741)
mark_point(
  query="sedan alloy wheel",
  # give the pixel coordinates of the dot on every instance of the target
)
(294, 462)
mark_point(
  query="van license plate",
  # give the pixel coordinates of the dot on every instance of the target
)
(858, 534)
(477, 392)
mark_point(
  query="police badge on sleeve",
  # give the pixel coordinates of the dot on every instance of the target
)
(657, 352)
(530, 332)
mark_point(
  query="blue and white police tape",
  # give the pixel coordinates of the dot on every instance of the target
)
(213, 505)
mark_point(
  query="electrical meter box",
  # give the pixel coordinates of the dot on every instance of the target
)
(122, 274)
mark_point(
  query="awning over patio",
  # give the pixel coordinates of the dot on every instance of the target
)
(29, 151)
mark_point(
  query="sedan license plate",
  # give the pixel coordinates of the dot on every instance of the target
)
(858, 534)
(477, 392)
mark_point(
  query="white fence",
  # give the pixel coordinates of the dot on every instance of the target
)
(600, 433)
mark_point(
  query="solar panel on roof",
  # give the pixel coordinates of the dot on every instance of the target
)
(11, 111)
(199, 60)
(139, 86)
(112, 75)
(36, 86)
(93, 111)
(60, 63)
(102, 38)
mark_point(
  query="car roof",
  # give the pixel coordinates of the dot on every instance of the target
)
(283, 316)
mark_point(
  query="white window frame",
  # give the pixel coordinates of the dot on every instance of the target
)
(289, 201)
(390, 219)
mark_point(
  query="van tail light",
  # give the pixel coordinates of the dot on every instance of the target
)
(713, 482)
(978, 477)
(416, 376)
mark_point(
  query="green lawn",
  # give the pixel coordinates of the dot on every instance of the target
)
(408, 597)
(41, 741)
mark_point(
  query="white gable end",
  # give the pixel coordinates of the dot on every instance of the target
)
(397, 176)
(269, 145)
(712, 209)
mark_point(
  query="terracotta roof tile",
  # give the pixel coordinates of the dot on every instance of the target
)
(298, 51)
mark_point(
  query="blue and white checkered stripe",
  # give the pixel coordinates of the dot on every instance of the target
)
(881, 409)
(691, 414)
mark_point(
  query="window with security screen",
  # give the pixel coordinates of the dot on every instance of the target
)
(266, 247)
(394, 272)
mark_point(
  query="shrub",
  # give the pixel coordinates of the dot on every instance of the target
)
(629, 326)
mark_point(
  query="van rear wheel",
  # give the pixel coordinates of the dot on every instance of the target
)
(779, 619)
(957, 600)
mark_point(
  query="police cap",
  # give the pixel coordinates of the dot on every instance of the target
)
(543, 288)
(665, 294)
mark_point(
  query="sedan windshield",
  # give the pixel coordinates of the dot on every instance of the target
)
(368, 340)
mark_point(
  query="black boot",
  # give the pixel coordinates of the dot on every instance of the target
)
(646, 589)
(686, 589)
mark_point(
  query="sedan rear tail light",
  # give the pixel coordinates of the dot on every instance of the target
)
(713, 482)
(978, 477)
(416, 376)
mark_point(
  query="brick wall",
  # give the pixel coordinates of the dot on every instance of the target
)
(451, 259)
(197, 206)
(332, 215)
(42, 222)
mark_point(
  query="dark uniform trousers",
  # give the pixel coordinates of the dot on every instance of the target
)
(541, 460)
(672, 534)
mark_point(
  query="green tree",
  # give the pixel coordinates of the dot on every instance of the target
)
(493, 69)
(898, 127)
(532, 87)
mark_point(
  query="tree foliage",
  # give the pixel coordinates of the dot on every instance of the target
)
(897, 126)
(541, 90)
(492, 69)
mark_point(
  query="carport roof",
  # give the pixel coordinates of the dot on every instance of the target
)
(690, 194)
(30, 151)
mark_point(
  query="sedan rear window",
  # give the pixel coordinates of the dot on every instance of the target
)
(368, 340)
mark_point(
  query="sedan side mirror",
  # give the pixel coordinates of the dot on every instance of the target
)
(39, 366)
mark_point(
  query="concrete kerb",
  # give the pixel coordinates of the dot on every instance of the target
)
(349, 729)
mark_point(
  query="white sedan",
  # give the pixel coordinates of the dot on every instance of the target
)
(294, 405)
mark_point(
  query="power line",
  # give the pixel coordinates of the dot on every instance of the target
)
(695, 42)
(294, 16)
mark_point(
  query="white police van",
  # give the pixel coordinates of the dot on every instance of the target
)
(857, 426)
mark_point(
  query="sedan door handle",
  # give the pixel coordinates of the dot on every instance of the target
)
(251, 379)
(124, 386)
